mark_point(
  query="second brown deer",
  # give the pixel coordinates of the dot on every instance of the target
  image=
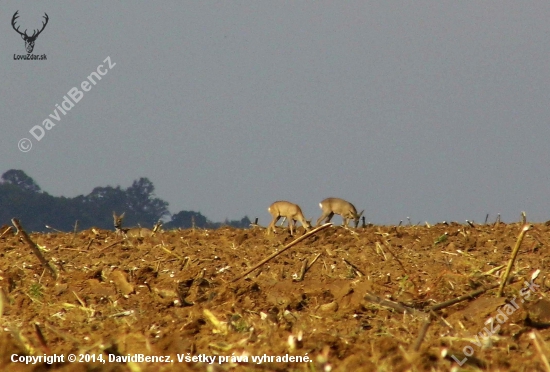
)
(332, 206)
(290, 211)
(134, 232)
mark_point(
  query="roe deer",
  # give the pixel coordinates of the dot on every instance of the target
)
(290, 211)
(332, 206)
(135, 232)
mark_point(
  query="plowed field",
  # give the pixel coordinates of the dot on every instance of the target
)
(362, 303)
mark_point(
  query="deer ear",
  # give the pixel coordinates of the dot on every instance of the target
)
(122, 215)
(23, 36)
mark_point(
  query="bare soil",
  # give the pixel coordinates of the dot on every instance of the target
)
(172, 294)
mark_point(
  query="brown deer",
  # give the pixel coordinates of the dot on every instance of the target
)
(332, 206)
(135, 232)
(290, 211)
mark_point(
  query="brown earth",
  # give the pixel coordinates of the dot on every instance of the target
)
(172, 294)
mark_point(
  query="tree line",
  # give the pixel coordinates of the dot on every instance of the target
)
(22, 197)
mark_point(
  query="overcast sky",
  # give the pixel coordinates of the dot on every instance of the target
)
(433, 110)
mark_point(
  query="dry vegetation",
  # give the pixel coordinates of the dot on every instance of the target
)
(366, 299)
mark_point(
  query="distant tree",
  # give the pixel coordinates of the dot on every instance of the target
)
(21, 197)
(20, 179)
(142, 198)
(185, 219)
(138, 201)
(243, 223)
(105, 198)
(34, 209)
(96, 208)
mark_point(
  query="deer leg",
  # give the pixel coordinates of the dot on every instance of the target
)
(345, 221)
(319, 220)
(272, 224)
(326, 216)
(291, 225)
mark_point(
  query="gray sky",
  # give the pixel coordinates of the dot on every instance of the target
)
(437, 110)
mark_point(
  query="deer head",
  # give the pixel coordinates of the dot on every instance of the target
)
(29, 40)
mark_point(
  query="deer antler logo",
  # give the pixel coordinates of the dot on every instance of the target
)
(29, 40)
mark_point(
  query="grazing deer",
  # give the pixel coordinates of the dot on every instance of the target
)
(332, 206)
(135, 232)
(291, 212)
